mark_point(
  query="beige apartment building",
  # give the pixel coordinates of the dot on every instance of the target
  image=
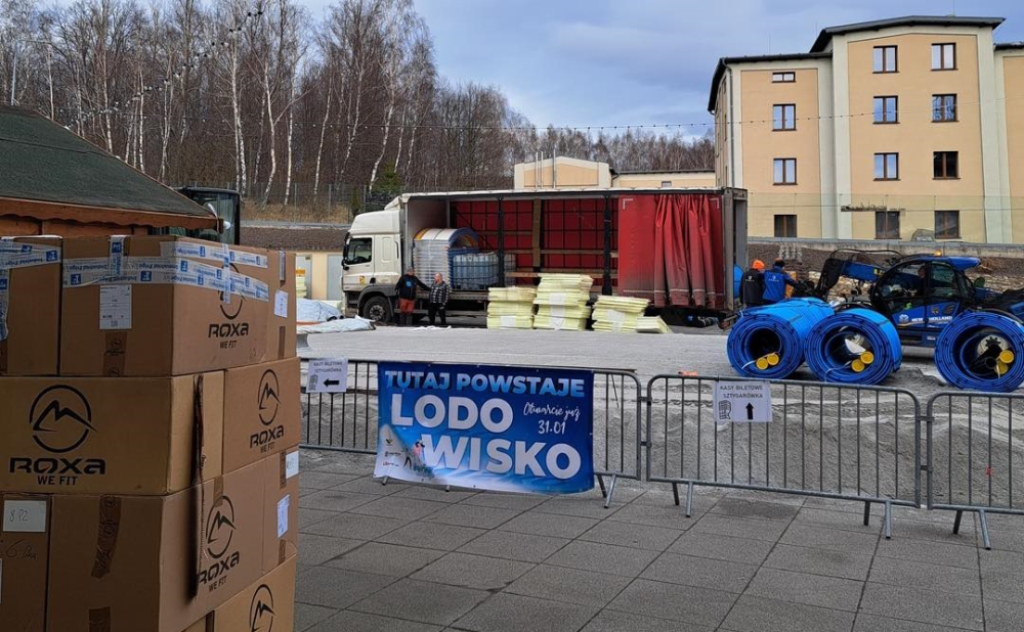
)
(563, 172)
(895, 129)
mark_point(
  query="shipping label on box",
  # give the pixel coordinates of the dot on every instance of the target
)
(24, 558)
(111, 436)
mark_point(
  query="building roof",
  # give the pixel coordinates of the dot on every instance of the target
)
(50, 172)
(662, 172)
(1010, 46)
(753, 59)
(827, 33)
(820, 47)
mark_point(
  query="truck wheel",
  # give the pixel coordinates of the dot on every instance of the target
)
(377, 309)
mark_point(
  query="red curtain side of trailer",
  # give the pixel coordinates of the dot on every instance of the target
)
(670, 249)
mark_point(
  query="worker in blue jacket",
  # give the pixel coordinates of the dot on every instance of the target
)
(775, 282)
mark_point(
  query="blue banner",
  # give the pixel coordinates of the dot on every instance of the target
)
(512, 429)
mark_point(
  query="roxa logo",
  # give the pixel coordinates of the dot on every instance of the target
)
(268, 403)
(220, 531)
(261, 611)
(61, 421)
(269, 400)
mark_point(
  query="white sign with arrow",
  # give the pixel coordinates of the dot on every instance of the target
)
(327, 376)
(743, 402)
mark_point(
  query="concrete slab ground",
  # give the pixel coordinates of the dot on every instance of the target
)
(689, 349)
(402, 558)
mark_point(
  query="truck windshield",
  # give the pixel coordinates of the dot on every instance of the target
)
(358, 250)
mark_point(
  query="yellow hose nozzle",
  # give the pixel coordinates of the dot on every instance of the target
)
(858, 365)
(1007, 357)
(867, 357)
(773, 359)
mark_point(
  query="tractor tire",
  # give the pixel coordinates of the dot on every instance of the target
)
(377, 309)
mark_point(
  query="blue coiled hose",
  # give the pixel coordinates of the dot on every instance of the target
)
(768, 342)
(855, 346)
(982, 351)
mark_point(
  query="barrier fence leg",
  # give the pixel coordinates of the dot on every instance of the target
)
(600, 483)
(689, 499)
(611, 490)
(956, 522)
(888, 520)
(984, 530)
(447, 488)
(867, 514)
(675, 493)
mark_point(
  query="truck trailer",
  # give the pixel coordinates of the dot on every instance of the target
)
(677, 247)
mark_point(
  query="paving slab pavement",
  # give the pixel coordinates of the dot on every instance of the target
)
(419, 559)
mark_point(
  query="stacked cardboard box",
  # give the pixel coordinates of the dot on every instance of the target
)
(148, 468)
(562, 301)
(510, 307)
(618, 313)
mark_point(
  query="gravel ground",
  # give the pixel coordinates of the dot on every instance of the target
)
(280, 236)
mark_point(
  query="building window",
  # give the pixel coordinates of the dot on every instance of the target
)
(785, 225)
(887, 225)
(943, 56)
(885, 59)
(887, 166)
(784, 117)
(947, 165)
(783, 77)
(785, 171)
(943, 108)
(886, 110)
(947, 224)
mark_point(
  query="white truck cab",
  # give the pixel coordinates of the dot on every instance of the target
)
(373, 262)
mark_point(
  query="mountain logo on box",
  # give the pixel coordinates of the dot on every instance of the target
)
(220, 531)
(261, 611)
(220, 527)
(61, 419)
(269, 400)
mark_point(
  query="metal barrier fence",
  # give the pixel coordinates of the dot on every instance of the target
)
(972, 462)
(827, 440)
(846, 442)
(348, 421)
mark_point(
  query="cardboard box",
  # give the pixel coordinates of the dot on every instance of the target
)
(155, 305)
(30, 280)
(127, 563)
(110, 436)
(24, 556)
(265, 606)
(262, 414)
(282, 319)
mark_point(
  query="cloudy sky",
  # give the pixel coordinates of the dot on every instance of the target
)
(633, 62)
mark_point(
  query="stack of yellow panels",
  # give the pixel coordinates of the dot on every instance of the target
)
(652, 325)
(510, 307)
(618, 313)
(562, 301)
